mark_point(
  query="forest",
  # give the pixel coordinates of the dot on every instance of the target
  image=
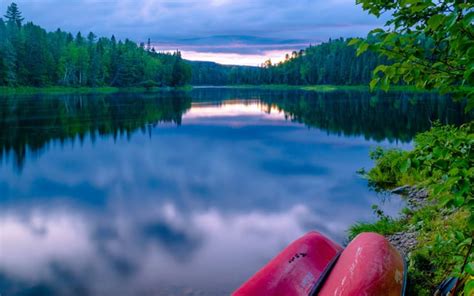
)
(31, 56)
(333, 62)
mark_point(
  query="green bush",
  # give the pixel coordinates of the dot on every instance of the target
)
(442, 161)
(388, 171)
(385, 225)
(382, 226)
(149, 84)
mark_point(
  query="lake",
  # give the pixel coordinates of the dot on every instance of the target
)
(190, 193)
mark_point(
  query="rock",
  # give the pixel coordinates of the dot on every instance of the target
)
(401, 190)
(416, 198)
(404, 242)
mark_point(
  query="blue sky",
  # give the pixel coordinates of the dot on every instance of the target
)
(226, 31)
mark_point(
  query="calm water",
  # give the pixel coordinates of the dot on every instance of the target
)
(174, 193)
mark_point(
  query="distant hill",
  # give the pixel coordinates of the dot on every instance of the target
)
(332, 62)
(210, 73)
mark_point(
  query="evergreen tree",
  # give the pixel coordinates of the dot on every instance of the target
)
(333, 62)
(31, 56)
(13, 15)
(9, 62)
(181, 72)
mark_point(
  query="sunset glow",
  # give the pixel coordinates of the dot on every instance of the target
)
(233, 108)
(236, 58)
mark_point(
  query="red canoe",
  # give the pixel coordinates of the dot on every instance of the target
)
(314, 265)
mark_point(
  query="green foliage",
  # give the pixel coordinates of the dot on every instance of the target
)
(13, 15)
(389, 165)
(385, 225)
(443, 162)
(31, 56)
(149, 84)
(181, 72)
(443, 159)
(429, 44)
(443, 248)
(332, 62)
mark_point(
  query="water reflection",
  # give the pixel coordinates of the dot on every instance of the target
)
(30, 123)
(141, 208)
(202, 253)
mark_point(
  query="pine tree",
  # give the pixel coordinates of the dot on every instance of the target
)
(9, 63)
(3, 66)
(176, 75)
(13, 15)
(91, 38)
(31, 56)
(79, 39)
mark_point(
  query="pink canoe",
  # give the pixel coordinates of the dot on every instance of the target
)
(314, 265)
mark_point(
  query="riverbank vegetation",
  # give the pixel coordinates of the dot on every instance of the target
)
(31, 56)
(323, 87)
(442, 161)
(429, 44)
(58, 90)
(30, 90)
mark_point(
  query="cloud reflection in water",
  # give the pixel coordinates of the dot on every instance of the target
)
(195, 209)
(173, 249)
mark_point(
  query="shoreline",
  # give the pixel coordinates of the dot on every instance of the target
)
(416, 198)
(28, 90)
(315, 88)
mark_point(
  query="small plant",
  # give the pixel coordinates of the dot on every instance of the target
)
(149, 84)
(385, 225)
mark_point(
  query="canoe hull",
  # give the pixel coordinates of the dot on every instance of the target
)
(296, 270)
(369, 265)
(314, 265)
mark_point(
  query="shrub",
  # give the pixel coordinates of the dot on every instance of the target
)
(443, 162)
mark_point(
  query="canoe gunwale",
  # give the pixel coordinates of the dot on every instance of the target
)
(405, 275)
(327, 271)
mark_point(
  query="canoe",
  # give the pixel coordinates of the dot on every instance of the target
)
(315, 265)
(296, 270)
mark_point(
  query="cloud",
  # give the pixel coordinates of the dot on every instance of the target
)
(218, 26)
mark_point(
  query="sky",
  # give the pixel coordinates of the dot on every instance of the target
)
(245, 32)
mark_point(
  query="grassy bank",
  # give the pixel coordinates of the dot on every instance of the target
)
(442, 161)
(26, 90)
(327, 87)
(320, 88)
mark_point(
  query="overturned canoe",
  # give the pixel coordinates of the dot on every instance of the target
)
(314, 265)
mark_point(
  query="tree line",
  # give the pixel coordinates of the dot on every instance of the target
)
(332, 62)
(31, 56)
